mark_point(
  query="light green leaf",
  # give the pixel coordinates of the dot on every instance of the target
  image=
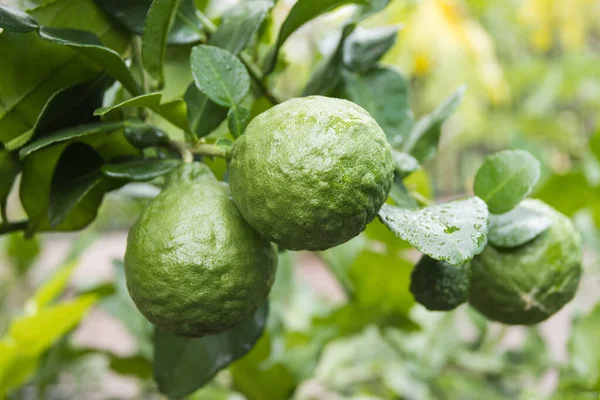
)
(51, 289)
(365, 46)
(238, 118)
(517, 227)
(203, 114)
(302, 12)
(183, 365)
(454, 232)
(583, 346)
(220, 75)
(568, 192)
(88, 44)
(384, 93)
(595, 145)
(150, 100)
(159, 19)
(400, 195)
(15, 20)
(140, 170)
(405, 163)
(22, 252)
(506, 178)
(341, 258)
(239, 26)
(423, 139)
(36, 333)
(72, 133)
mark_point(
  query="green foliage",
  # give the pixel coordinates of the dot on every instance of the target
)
(506, 178)
(518, 226)
(22, 252)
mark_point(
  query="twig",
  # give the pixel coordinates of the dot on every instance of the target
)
(211, 150)
(186, 155)
(13, 227)
(253, 69)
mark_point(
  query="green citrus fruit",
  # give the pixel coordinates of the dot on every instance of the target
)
(527, 284)
(311, 173)
(193, 265)
(440, 286)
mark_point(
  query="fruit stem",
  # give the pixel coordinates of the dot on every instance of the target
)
(13, 227)
(253, 69)
(186, 155)
(211, 150)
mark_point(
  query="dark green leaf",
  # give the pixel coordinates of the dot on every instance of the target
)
(238, 118)
(71, 133)
(365, 46)
(220, 75)
(405, 163)
(150, 100)
(517, 227)
(140, 170)
(70, 185)
(203, 114)
(159, 19)
(142, 137)
(384, 93)
(506, 178)
(239, 25)
(22, 252)
(328, 75)
(302, 12)
(88, 44)
(454, 231)
(132, 14)
(15, 20)
(182, 365)
(423, 139)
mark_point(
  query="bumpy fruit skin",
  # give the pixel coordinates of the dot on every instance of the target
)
(440, 286)
(194, 267)
(311, 173)
(527, 284)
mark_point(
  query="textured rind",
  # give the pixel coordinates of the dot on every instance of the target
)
(527, 284)
(193, 265)
(440, 286)
(311, 173)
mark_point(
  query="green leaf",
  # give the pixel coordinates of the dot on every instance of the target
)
(384, 93)
(328, 75)
(142, 137)
(71, 133)
(71, 185)
(595, 145)
(568, 193)
(88, 44)
(137, 366)
(237, 119)
(506, 178)
(517, 227)
(150, 100)
(140, 170)
(454, 232)
(583, 349)
(365, 46)
(257, 378)
(405, 163)
(15, 20)
(186, 28)
(36, 333)
(52, 288)
(423, 139)
(159, 19)
(39, 68)
(9, 169)
(302, 12)
(22, 252)
(239, 26)
(182, 365)
(340, 259)
(203, 114)
(400, 195)
(220, 75)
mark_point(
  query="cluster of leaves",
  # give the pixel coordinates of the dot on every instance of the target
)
(85, 111)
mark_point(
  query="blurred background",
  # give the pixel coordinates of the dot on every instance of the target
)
(532, 70)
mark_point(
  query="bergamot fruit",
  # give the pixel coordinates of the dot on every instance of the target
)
(440, 286)
(527, 284)
(311, 173)
(193, 265)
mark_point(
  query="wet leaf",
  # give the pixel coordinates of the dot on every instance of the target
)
(517, 227)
